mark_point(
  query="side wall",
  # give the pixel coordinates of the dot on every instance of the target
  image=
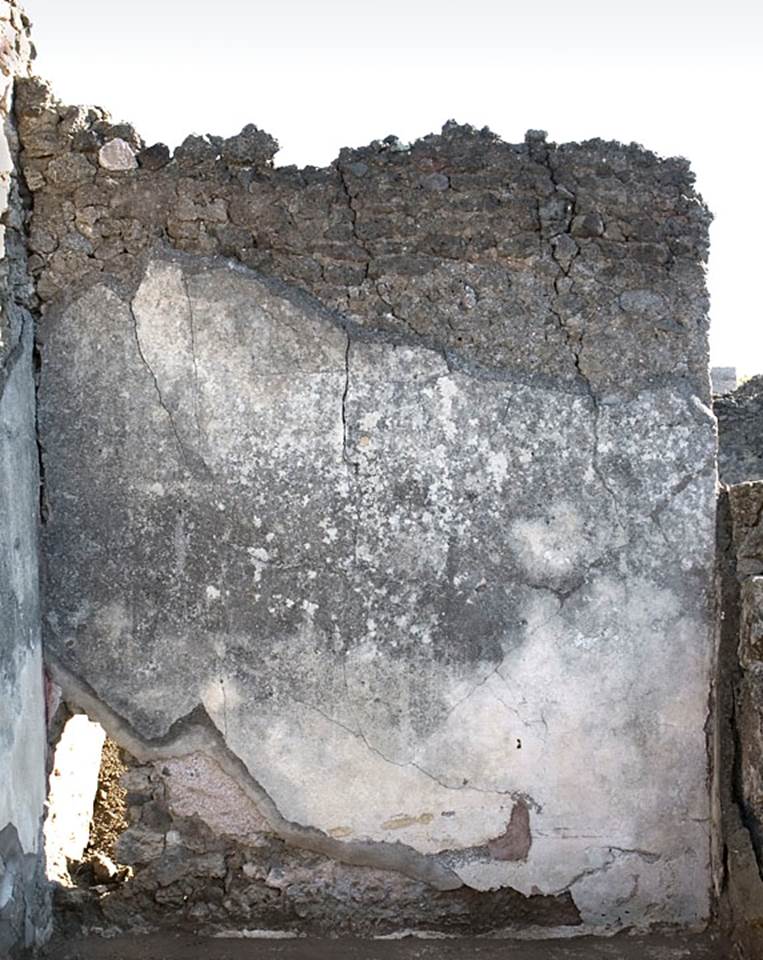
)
(381, 498)
(24, 909)
(739, 728)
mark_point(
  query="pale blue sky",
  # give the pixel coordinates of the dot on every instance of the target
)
(680, 76)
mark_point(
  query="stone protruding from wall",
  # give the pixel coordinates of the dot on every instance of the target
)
(740, 432)
(389, 490)
(24, 907)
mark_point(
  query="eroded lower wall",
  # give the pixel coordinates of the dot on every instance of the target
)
(24, 908)
(380, 522)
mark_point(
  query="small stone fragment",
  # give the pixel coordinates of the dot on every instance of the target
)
(435, 181)
(154, 157)
(196, 152)
(250, 148)
(104, 868)
(751, 632)
(69, 170)
(587, 225)
(117, 155)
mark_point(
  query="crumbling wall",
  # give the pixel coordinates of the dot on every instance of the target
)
(379, 508)
(24, 913)
(740, 432)
(739, 714)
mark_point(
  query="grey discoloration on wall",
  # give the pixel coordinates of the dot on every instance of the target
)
(389, 489)
(24, 907)
(740, 432)
(335, 543)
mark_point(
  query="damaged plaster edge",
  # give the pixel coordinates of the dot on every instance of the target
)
(455, 362)
(25, 917)
(196, 733)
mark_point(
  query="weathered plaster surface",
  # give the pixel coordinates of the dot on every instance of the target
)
(24, 910)
(410, 594)
(388, 489)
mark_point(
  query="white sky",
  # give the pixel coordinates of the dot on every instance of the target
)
(680, 76)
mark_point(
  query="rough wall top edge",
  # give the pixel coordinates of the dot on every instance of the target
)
(451, 130)
(583, 263)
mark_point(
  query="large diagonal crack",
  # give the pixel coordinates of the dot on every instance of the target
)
(196, 733)
(360, 242)
(360, 734)
(194, 362)
(574, 342)
(157, 388)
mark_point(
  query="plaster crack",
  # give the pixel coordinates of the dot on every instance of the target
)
(345, 393)
(157, 388)
(360, 735)
(192, 331)
(354, 222)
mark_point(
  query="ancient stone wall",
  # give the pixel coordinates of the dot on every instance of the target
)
(738, 749)
(24, 910)
(739, 683)
(740, 432)
(379, 520)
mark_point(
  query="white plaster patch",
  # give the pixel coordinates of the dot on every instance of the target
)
(550, 545)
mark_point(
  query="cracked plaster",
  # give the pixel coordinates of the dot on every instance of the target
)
(404, 610)
(402, 472)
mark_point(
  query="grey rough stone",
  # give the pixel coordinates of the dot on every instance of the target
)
(250, 148)
(154, 157)
(751, 622)
(24, 893)
(366, 239)
(746, 501)
(740, 432)
(139, 844)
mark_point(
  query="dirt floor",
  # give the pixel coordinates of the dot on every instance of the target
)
(189, 948)
(109, 811)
